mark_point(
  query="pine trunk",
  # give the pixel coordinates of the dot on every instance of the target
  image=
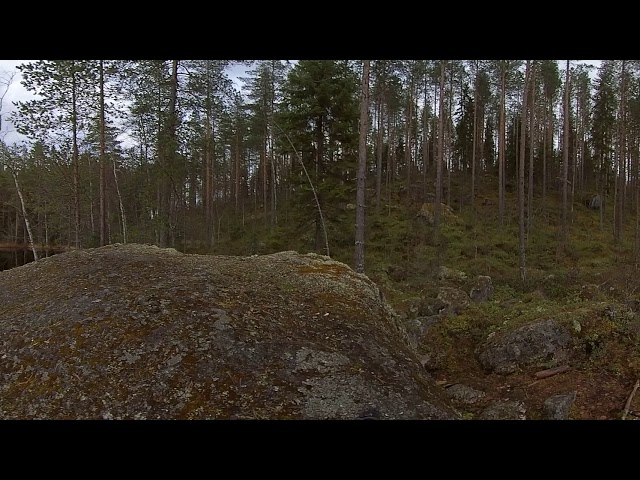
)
(521, 223)
(362, 170)
(501, 144)
(440, 158)
(103, 163)
(565, 163)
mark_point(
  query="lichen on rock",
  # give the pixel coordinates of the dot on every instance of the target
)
(140, 332)
(542, 343)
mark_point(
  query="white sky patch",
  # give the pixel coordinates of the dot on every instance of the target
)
(235, 72)
(16, 93)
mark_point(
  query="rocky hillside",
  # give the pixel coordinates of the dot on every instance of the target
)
(500, 354)
(139, 332)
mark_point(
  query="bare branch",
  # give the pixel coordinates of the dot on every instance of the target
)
(315, 196)
(627, 405)
(6, 79)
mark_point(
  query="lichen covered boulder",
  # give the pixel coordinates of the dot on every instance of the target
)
(543, 343)
(453, 300)
(558, 407)
(482, 289)
(450, 274)
(427, 213)
(139, 332)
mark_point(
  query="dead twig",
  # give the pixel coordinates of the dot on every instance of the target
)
(627, 405)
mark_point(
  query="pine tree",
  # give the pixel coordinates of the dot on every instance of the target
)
(362, 169)
(320, 115)
(551, 84)
(602, 130)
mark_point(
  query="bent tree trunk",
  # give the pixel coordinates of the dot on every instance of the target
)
(25, 216)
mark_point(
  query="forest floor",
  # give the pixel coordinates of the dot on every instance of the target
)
(591, 286)
(578, 285)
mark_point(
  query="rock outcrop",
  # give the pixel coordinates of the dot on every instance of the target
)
(139, 332)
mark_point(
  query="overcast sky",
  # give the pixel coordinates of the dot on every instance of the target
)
(18, 93)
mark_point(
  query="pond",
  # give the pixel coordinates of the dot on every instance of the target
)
(16, 255)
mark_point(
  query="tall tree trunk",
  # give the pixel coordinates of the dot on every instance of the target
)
(173, 125)
(75, 159)
(475, 146)
(544, 158)
(103, 163)
(91, 200)
(521, 223)
(319, 174)
(583, 180)
(207, 197)
(380, 148)
(237, 169)
(501, 144)
(440, 158)
(565, 164)
(123, 217)
(362, 170)
(532, 146)
(274, 191)
(637, 190)
(407, 135)
(449, 162)
(425, 144)
(620, 183)
(389, 162)
(24, 215)
(265, 169)
(272, 157)
(168, 152)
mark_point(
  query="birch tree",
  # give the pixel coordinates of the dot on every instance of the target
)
(63, 91)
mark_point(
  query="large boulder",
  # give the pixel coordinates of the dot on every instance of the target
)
(594, 202)
(448, 301)
(507, 410)
(543, 343)
(558, 407)
(418, 328)
(139, 332)
(451, 274)
(482, 289)
(427, 213)
(453, 300)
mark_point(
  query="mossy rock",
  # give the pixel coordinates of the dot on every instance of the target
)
(140, 332)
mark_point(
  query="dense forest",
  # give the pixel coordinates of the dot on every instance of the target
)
(170, 152)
